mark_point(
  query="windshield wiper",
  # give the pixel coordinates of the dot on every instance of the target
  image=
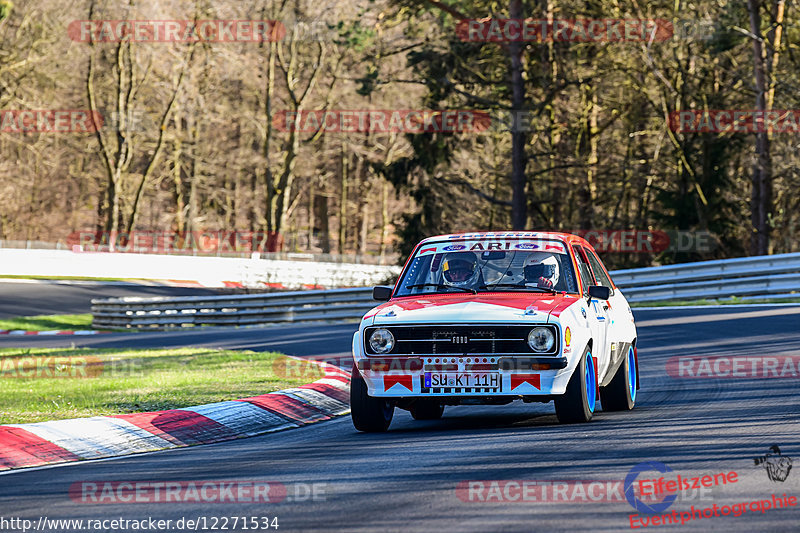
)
(519, 286)
(441, 286)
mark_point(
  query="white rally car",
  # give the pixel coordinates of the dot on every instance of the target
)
(488, 318)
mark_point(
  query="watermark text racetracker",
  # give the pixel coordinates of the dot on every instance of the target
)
(206, 31)
(176, 31)
(734, 367)
(72, 366)
(735, 120)
(498, 30)
(198, 491)
(501, 30)
(383, 121)
(412, 121)
(50, 121)
(648, 241)
(560, 491)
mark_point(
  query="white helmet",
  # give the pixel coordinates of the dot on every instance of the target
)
(541, 265)
(460, 269)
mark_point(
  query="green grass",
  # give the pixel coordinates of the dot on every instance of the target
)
(129, 381)
(47, 322)
(726, 301)
(65, 278)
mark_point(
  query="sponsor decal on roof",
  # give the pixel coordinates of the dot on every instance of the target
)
(494, 245)
(499, 235)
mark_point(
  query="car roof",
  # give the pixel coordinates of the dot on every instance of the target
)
(483, 235)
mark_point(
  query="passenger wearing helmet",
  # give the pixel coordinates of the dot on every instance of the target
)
(460, 269)
(542, 269)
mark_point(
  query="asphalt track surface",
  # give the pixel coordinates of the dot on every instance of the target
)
(75, 297)
(407, 479)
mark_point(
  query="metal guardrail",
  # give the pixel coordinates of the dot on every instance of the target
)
(706, 270)
(231, 310)
(774, 276)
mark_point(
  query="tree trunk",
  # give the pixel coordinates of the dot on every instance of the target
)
(343, 202)
(363, 213)
(311, 221)
(362, 243)
(761, 180)
(284, 189)
(548, 80)
(519, 207)
(180, 199)
(588, 149)
(321, 208)
(153, 160)
(384, 220)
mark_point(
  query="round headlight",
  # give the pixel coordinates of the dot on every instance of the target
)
(541, 339)
(381, 341)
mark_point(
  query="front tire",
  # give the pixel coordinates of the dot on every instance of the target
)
(427, 410)
(620, 393)
(368, 414)
(578, 402)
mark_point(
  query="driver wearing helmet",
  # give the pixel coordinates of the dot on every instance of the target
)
(460, 269)
(542, 269)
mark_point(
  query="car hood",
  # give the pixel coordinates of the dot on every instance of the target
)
(483, 307)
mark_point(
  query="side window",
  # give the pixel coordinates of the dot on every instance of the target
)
(585, 271)
(599, 271)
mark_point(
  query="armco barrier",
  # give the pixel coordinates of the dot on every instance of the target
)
(775, 276)
(337, 304)
(706, 270)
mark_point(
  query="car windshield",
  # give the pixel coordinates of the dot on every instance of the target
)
(481, 266)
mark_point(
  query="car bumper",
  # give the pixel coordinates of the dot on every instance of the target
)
(410, 377)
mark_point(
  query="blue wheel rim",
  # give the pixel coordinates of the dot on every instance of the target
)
(632, 374)
(591, 389)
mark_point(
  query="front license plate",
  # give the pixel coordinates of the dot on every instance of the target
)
(462, 379)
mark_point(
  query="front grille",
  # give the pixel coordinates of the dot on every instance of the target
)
(479, 339)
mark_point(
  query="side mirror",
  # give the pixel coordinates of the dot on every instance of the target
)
(382, 293)
(599, 292)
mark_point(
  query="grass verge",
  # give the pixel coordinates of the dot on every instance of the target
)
(52, 384)
(47, 322)
(66, 278)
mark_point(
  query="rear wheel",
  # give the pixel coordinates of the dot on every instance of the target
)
(427, 410)
(578, 402)
(369, 414)
(620, 393)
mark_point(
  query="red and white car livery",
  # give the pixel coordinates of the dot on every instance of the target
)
(494, 317)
